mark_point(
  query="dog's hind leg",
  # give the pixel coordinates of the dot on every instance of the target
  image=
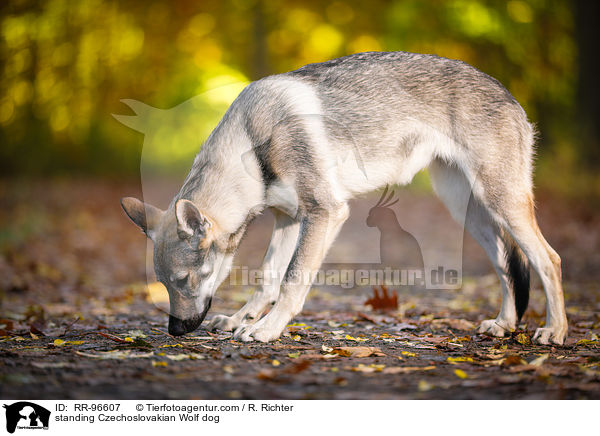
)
(317, 232)
(521, 223)
(278, 256)
(455, 191)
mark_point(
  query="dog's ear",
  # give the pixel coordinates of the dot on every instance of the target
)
(145, 216)
(190, 221)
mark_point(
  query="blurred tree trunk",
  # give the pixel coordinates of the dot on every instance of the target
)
(587, 28)
(259, 61)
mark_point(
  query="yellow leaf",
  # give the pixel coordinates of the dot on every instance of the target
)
(74, 342)
(294, 355)
(408, 354)
(370, 368)
(586, 342)
(33, 335)
(169, 345)
(58, 342)
(128, 339)
(453, 360)
(155, 363)
(406, 369)
(296, 337)
(275, 362)
(523, 339)
(424, 386)
(350, 338)
(460, 373)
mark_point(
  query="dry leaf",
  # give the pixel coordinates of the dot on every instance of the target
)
(539, 360)
(512, 360)
(454, 360)
(368, 368)
(115, 354)
(357, 351)
(383, 301)
(406, 369)
(351, 338)
(184, 356)
(523, 339)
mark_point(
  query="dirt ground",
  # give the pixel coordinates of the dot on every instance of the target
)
(77, 321)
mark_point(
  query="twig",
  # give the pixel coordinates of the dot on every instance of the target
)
(68, 327)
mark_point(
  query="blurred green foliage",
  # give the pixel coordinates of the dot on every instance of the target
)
(66, 64)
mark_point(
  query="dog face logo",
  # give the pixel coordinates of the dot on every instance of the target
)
(26, 415)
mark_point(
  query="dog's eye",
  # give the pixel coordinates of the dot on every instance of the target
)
(180, 283)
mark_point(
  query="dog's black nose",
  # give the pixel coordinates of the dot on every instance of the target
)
(176, 327)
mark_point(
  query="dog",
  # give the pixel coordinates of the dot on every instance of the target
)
(283, 144)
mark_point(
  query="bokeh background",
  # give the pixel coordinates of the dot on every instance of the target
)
(66, 65)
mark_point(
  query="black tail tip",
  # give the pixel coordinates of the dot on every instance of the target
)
(518, 272)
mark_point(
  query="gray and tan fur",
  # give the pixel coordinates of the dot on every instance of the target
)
(307, 141)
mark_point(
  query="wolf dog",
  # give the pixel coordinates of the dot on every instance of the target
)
(283, 144)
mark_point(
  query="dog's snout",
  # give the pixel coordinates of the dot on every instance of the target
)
(178, 327)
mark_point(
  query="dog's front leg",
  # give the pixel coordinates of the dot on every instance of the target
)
(278, 256)
(317, 232)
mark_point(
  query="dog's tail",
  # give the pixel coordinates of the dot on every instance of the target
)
(518, 274)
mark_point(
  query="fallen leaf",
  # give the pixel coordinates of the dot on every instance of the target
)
(326, 349)
(406, 369)
(513, 359)
(357, 351)
(351, 338)
(424, 386)
(523, 339)
(159, 363)
(297, 367)
(539, 360)
(454, 360)
(266, 374)
(136, 334)
(184, 356)
(368, 368)
(367, 317)
(383, 301)
(115, 354)
(460, 373)
(50, 364)
(275, 362)
(587, 342)
(294, 355)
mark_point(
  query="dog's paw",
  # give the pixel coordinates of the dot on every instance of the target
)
(266, 329)
(253, 332)
(550, 335)
(224, 323)
(493, 327)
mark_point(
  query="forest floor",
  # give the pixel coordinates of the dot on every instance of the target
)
(77, 320)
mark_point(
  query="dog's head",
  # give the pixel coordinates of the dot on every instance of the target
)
(188, 258)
